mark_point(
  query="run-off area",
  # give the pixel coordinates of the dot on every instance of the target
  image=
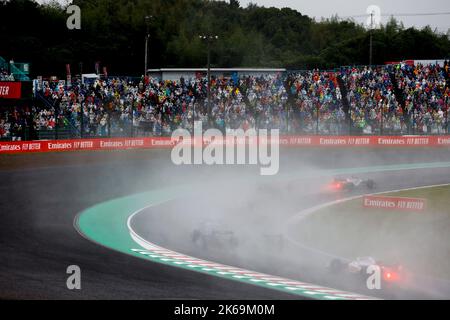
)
(419, 240)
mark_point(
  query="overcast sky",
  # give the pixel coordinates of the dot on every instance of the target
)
(344, 8)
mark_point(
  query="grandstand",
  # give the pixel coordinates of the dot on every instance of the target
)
(395, 99)
(14, 71)
(15, 99)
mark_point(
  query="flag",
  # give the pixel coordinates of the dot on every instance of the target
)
(69, 77)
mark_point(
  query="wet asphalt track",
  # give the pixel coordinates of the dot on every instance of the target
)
(40, 196)
(171, 226)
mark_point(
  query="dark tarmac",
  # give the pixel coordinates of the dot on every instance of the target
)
(41, 194)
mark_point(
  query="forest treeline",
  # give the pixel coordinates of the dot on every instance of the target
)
(113, 33)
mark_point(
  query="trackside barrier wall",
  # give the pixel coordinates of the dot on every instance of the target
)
(167, 143)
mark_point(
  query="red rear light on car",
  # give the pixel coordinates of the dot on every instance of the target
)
(390, 276)
(333, 186)
(336, 185)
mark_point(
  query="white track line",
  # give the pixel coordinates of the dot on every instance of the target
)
(239, 273)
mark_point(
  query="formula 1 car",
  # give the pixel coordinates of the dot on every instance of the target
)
(349, 184)
(390, 274)
(214, 236)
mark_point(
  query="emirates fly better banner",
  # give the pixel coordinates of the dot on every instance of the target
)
(394, 203)
(10, 90)
(167, 143)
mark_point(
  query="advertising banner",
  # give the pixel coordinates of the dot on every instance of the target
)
(394, 203)
(10, 90)
(167, 142)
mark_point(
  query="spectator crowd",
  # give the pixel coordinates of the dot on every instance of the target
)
(392, 99)
(5, 76)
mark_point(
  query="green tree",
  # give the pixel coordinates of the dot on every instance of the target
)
(114, 32)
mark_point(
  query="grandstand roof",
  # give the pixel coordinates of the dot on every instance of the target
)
(177, 73)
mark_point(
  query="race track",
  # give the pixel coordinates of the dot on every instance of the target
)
(40, 195)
